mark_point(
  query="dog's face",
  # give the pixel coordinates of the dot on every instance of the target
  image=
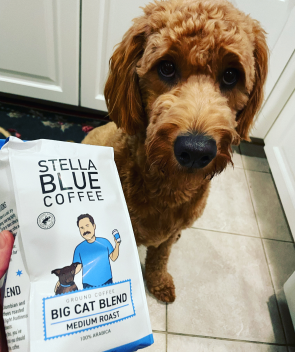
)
(191, 74)
(66, 275)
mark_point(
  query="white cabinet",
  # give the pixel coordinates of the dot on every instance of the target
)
(43, 57)
(104, 23)
(59, 50)
(39, 49)
(280, 151)
(277, 118)
(280, 80)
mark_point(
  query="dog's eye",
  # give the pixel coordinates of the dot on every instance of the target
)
(230, 77)
(167, 69)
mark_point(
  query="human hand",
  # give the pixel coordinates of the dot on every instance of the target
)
(6, 244)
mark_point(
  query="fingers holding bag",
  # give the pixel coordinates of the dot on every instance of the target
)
(6, 244)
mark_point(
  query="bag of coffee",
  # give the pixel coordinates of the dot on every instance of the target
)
(74, 281)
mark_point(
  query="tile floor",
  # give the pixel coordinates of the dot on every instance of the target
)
(229, 269)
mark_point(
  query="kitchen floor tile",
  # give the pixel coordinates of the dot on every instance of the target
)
(223, 288)
(281, 261)
(159, 345)
(229, 207)
(270, 215)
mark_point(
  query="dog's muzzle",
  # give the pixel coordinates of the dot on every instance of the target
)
(194, 150)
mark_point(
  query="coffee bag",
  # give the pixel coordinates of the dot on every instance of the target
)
(74, 282)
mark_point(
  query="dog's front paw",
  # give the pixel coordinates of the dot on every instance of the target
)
(163, 290)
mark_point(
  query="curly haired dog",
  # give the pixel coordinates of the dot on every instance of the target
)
(184, 84)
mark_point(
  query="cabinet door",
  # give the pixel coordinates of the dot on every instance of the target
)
(281, 75)
(104, 23)
(280, 151)
(39, 55)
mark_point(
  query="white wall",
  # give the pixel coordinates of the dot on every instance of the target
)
(276, 17)
(272, 14)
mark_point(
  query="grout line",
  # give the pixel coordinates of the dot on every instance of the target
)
(222, 338)
(166, 317)
(267, 263)
(273, 239)
(160, 332)
(166, 327)
(166, 342)
(239, 234)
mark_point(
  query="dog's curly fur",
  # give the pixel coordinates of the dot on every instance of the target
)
(202, 38)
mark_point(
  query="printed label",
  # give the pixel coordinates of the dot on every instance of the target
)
(11, 313)
(78, 311)
(46, 220)
(8, 219)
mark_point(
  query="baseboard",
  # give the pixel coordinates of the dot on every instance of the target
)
(257, 141)
(58, 108)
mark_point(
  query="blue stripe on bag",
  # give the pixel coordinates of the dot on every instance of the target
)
(4, 141)
(134, 346)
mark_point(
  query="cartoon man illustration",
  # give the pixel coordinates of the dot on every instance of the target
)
(93, 254)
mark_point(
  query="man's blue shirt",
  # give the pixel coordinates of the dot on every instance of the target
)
(94, 258)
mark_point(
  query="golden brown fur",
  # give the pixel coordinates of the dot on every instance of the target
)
(202, 39)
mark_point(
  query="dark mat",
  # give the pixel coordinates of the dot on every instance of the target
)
(29, 124)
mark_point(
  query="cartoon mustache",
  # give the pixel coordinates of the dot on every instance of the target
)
(86, 233)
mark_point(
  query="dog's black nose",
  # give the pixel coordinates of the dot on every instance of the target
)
(194, 150)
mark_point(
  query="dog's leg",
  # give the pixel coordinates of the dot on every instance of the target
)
(159, 281)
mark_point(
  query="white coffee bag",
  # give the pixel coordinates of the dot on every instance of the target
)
(74, 282)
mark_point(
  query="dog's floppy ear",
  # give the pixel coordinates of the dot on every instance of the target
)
(246, 118)
(122, 90)
(73, 268)
(56, 272)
